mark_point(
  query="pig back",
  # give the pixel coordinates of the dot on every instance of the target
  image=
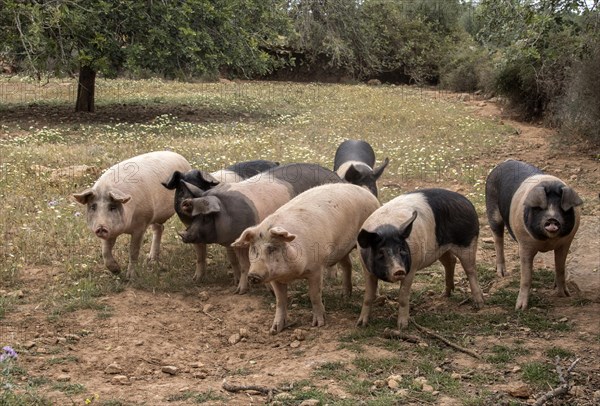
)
(140, 177)
(326, 219)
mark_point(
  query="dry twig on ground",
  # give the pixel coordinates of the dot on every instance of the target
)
(445, 340)
(565, 383)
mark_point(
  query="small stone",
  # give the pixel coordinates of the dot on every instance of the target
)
(435, 392)
(139, 343)
(487, 240)
(295, 344)
(577, 391)
(60, 340)
(427, 388)
(596, 396)
(29, 345)
(299, 334)
(393, 384)
(207, 308)
(283, 396)
(438, 369)
(456, 375)
(244, 333)
(379, 383)
(196, 365)
(199, 375)
(563, 320)
(519, 390)
(170, 369)
(17, 293)
(402, 392)
(72, 337)
(63, 378)
(113, 369)
(204, 296)
(423, 344)
(120, 380)
(311, 402)
(397, 378)
(516, 369)
(234, 338)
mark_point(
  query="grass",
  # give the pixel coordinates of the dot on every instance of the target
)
(431, 143)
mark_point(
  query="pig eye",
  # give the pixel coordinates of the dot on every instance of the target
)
(380, 253)
(112, 207)
(93, 206)
(270, 249)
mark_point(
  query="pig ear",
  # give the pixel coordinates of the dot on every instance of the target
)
(352, 174)
(84, 196)
(281, 234)
(406, 227)
(119, 197)
(246, 238)
(194, 190)
(537, 198)
(377, 172)
(569, 199)
(173, 180)
(367, 239)
(207, 178)
(205, 205)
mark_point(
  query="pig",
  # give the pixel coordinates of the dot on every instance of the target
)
(354, 162)
(220, 214)
(411, 232)
(541, 213)
(315, 230)
(127, 199)
(178, 181)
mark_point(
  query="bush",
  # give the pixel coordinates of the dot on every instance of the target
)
(579, 111)
(468, 69)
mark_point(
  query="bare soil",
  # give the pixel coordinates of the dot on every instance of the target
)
(147, 331)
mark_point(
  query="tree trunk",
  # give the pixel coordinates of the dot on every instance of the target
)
(85, 89)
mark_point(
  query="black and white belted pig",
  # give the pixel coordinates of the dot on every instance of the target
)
(182, 182)
(410, 233)
(315, 230)
(540, 212)
(354, 162)
(127, 199)
(219, 215)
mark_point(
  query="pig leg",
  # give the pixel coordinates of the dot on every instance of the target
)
(526, 255)
(370, 292)
(280, 321)
(331, 272)
(134, 252)
(200, 261)
(346, 265)
(315, 290)
(404, 300)
(467, 260)
(560, 257)
(241, 265)
(157, 231)
(107, 256)
(449, 262)
(497, 226)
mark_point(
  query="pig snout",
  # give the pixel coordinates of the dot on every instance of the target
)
(552, 226)
(255, 278)
(187, 207)
(101, 232)
(186, 236)
(397, 274)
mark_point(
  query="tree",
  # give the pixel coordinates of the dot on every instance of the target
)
(173, 38)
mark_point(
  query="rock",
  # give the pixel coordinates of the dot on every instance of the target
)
(393, 384)
(577, 391)
(518, 390)
(283, 396)
(402, 392)
(374, 82)
(299, 334)
(139, 343)
(60, 340)
(244, 333)
(427, 388)
(583, 270)
(311, 402)
(203, 296)
(17, 294)
(169, 369)
(207, 308)
(487, 240)
(379, 383)
(596, 397)
(199, 375)
(516, 369)
(456, 375)
(420, 381)
(113, 369)
(63, 378)
(295, 344)
(72, 337)
(423, 344)
(234, 338)
(196, 365)
(120, 380)
(29, 345)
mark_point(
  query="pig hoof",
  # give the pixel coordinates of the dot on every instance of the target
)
(318, 321)
(362, 322)
(240, 290)
(563, 292)
(277, 327)
(521, 304)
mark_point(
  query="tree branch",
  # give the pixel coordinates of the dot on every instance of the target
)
(563, 389)
(445, 340)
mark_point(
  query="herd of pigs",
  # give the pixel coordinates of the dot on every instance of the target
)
(280, 223)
